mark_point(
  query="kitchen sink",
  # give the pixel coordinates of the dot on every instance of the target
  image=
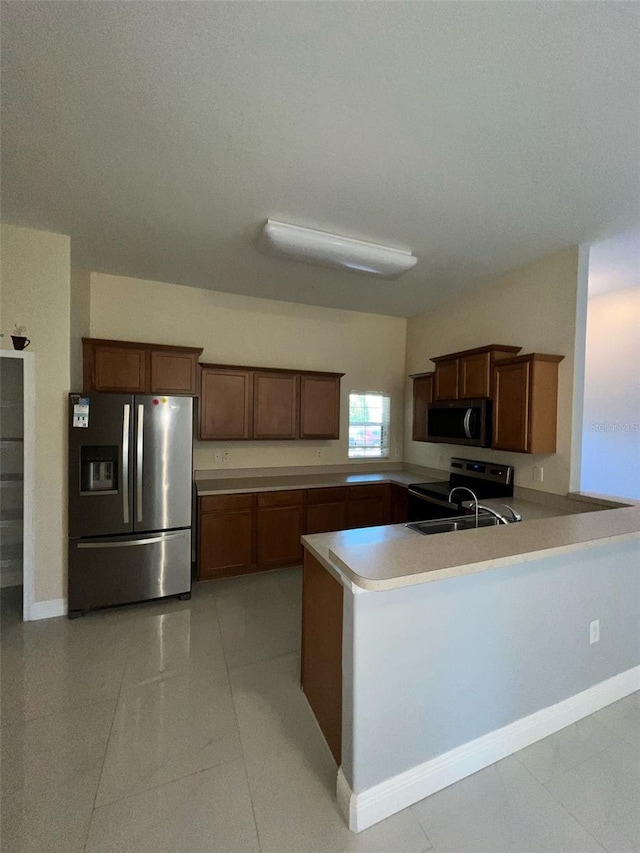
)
(448, 525)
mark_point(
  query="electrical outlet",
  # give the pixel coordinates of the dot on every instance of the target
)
(538, 473)
(594, 631)
(225, 455)
(319, 453)
(217, 456)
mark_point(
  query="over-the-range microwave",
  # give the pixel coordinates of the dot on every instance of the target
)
(460, 422)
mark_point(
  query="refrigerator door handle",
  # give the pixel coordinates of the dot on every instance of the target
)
(139, 462)
(125, 462)
(130, 542)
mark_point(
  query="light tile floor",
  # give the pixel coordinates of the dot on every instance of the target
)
(180, 727)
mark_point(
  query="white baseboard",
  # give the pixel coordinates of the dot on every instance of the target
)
(375, 804)
(47, 609)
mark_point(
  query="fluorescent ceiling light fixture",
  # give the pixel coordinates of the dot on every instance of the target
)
(334, 250)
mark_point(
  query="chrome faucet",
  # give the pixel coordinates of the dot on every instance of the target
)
(473, 495)
(515, 516)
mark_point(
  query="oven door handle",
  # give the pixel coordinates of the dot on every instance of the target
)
(416, 494)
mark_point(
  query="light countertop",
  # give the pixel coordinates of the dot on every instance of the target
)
(319, 480)
(389, 557)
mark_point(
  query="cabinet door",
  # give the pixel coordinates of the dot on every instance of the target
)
(321, 653)
(446, 380)
(225, 404)
(275, 405)
(320, 407)
(422, 396)
(120, 370)
(399, 504)
(475, 376)
(368, 506)
(511, 407)
(225, 536)
(173, 372)
(278, 532)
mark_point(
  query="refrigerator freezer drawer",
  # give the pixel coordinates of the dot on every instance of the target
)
(123, 569)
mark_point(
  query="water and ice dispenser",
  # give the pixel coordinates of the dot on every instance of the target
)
(98, 469)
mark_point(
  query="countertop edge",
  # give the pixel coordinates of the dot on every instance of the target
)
(370, 585)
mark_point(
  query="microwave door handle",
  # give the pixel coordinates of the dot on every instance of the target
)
(467, 422)
(139, 462)
(126, 414)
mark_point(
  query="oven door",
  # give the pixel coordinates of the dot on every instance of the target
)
(423, 508)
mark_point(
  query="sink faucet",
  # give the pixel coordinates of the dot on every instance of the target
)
(515, 516)
(473, 495)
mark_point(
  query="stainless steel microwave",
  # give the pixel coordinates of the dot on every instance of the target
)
(460, 422)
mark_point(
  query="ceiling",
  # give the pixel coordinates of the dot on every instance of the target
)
(161, 136)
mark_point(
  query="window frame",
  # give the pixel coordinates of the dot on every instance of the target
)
(384, 423)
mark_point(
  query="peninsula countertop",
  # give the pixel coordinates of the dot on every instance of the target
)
(389, 557)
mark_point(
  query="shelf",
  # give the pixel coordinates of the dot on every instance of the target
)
(10, 438)
(11, 515)
(11, 478)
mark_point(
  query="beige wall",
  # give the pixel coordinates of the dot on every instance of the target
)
(533, 307)
(35, 292)
(368, 348)
(79, 321)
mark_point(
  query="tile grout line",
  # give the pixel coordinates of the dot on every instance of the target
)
(561, 805)
(235, 713)
(106, 747)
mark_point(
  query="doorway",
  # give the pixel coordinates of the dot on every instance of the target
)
(17, 452)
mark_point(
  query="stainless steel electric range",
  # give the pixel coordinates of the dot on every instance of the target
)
(485, 479)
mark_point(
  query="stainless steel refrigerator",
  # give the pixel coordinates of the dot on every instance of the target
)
(130, 498)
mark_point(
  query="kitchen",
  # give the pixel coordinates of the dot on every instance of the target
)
(51, 285)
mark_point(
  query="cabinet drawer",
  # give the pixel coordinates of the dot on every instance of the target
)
(327, 496)
(288, 498)
(221, 503)
(378, 490)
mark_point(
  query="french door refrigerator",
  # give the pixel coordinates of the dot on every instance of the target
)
(130, 499)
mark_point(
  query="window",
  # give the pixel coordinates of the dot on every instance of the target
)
(368, 425)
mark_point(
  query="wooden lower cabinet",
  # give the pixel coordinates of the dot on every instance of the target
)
(368, 506)
(279, 526)
(399, 504)
(257, 532)
(321, 658)
(326, 510)
(225, 535)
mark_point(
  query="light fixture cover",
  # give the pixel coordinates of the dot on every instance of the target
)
(334, 250)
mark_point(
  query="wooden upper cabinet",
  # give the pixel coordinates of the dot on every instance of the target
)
(422, 396)
(225, 403)
(320, 406)
(118, 370)
(525, 403)
(475, 376)
(467, 375)
(129, 367)
(174, 372)
(446, 380)
(253, 403)
(275, 405)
